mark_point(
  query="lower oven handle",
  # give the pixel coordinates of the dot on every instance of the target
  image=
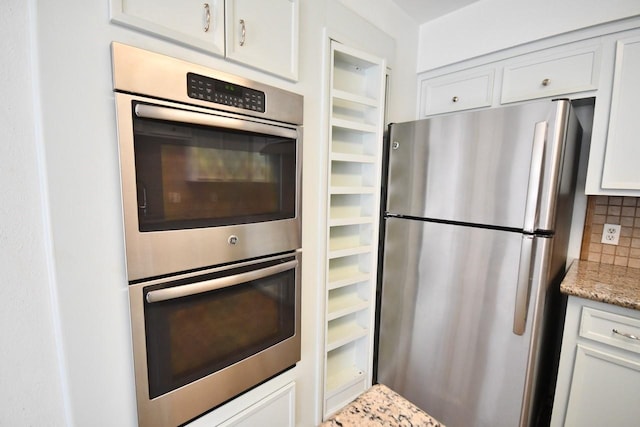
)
(223, 282)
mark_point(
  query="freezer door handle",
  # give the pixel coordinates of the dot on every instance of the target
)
(524, 285)
(535, 176)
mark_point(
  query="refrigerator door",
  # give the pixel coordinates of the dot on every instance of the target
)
(447, 316)
(484, 167)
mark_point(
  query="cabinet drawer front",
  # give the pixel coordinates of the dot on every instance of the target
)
(609, 328)
(447, 94)
(568, 74)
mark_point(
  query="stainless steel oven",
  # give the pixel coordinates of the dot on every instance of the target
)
(210, 164)
(210, 172)
(202, 338)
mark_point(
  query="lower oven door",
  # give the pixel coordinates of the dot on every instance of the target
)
(202, 339)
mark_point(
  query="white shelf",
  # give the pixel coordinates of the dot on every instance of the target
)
(353, 125)
(340, 253)
(339, 281)
(337, 222)
(343, 305)
(356, 107)
(352, 190)
(344, 334)
(343, 379)
(352, 97)
(356, 158)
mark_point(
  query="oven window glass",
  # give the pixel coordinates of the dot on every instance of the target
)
(191, 337)
(191, 176)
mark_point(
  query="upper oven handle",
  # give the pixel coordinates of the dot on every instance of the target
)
(156, 112)
(222, 282)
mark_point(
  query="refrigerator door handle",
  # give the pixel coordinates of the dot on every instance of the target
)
(524, 285)
(535, 176)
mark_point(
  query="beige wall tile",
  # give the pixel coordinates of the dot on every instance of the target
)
(612, 210)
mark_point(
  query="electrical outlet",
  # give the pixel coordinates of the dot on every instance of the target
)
(611, 234)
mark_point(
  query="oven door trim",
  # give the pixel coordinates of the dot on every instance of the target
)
(192, 400)
(157, 253)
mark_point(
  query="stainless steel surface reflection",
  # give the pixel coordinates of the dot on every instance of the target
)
(447, 318)
(476, 230)
(471, 167)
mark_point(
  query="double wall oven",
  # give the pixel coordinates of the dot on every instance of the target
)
(210, 168)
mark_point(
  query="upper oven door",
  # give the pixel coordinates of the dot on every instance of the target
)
(202, 188)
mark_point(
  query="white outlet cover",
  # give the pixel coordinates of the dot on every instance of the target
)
(611, 234)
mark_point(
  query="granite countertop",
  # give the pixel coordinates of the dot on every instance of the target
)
(381, 407)
(607, 283)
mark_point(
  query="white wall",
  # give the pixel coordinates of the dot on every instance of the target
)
(31, 389)
(64, 291)
(401, 28)
(491, 25)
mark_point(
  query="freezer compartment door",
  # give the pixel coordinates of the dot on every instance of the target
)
(498, 167)
(447, 340)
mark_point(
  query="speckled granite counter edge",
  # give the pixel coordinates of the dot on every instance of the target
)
(607, 283)
(381, 406)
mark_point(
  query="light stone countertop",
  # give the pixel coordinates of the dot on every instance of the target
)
(607, 283)
(381, 407)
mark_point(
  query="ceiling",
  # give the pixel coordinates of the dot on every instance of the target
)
(427, 10)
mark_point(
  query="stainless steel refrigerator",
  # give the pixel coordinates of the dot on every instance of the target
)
(476, 229)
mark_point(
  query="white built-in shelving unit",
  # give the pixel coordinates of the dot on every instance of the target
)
(356, 121)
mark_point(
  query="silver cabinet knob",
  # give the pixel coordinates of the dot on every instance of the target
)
(395, 145)
(455, 99)
(546, 82)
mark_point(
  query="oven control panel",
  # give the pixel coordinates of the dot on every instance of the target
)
(225, 93)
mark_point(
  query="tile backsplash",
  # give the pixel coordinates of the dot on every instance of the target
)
(624, 211)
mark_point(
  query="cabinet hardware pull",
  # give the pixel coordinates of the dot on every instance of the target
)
(546, 82)
(243, 32)
(207, 17)
(455, 99)
(632, 337)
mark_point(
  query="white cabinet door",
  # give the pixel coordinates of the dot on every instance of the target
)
(599, 373)
(191, 22)
(562, 74)
(264, 34)
(456, 92)
(622, 157)
(275, 410)
(605, 389)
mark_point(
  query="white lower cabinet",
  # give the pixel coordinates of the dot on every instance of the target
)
(599, 374)
(275, 410)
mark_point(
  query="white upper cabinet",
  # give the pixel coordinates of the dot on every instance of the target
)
(191, 22)
(601, 63)
(258, 33)
(550, 75)
(264, 34)
(621, 168)
(462, 91)
(568, 70)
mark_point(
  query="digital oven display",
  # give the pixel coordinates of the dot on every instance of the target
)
(225, 93)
